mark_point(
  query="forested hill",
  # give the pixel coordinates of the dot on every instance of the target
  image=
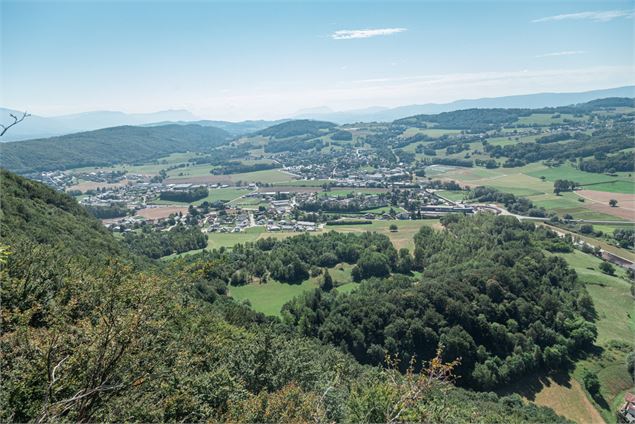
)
(108, 146)
(92, 341)
(36, 213)
(296, 128)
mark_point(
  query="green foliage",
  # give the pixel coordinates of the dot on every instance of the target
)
(591, 382)
(327, 281)
(105, 212)
(342, 135)
(487, 293)
(607, 268)
(514, 204)
(33, 211)
(621, 162)
(296, 128)
(89, 337)
(156, 244)
(563, 185)
(108, 146)
(185, 196)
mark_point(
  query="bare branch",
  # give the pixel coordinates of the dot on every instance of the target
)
(16, 120)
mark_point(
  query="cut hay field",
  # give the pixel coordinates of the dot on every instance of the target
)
(161, 211)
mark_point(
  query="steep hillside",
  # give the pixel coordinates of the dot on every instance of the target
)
(34, 212)
(108, 146)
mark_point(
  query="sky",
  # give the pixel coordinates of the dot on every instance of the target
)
(270, 59)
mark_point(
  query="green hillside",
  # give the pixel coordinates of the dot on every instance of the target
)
(36, 213)
(296, 128)
(126, 144)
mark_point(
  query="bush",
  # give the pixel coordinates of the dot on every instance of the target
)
(591, 382)
(607, 268)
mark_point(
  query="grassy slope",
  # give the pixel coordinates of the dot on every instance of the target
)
(616, 323)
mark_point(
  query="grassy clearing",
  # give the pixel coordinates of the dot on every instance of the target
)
(404, 237)
(611, 295)
(227, 240)
(456, 196)
(269, 297)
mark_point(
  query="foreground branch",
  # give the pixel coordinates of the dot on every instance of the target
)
(16, 120)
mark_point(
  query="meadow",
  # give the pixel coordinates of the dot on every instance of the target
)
(269, 297)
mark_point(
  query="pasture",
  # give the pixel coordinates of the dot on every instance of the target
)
(269, 297)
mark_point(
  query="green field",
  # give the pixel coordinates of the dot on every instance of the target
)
(269, 297)
(615, 322)
(456, 196)
(601, 182)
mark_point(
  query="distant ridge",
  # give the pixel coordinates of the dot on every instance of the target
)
(524, 101)
(39, 127)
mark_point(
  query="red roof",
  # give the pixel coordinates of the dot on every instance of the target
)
(629, 397)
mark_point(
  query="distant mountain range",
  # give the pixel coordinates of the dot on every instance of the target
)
(530, 101)
(39, 126)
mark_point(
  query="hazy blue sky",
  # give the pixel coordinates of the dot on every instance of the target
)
(269, 59)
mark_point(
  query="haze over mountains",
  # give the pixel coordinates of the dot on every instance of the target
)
(530, 101)
(38, 126)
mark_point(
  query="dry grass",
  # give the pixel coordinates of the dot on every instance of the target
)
(161, 211)
(599, 202)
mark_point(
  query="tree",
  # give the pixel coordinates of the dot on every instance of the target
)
(607, 268)
(327, 281)
(613, 203)
(591, 382)
(393, 228)
(586, 229)
(630, 363)
(371, 264)
(563, 185)
(16, 120)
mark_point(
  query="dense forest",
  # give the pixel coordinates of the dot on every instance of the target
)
(156, 244)
(90, 335)
(487, 293)
(185, 196)
(296, 128)
(105, 212)
(108, 146)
